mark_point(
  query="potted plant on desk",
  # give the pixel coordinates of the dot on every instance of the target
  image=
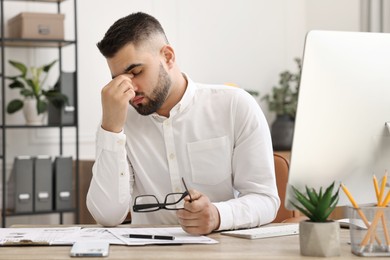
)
(35, 102)
(318, 236)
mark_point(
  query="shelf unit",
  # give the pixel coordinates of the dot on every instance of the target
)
(4, 127)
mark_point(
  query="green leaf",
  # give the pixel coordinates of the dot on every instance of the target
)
(56, 98)
(30, 83)
(16, 84)
(47, 67)
(41, 106)
(20, 66)
(320, 194)
(325, 202)
(303, 200)
(302, 210)
(330, 210)
(14, 106)
(312, 195)
(335, 196)
(26, 92)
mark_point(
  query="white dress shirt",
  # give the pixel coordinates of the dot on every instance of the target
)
(216, 137)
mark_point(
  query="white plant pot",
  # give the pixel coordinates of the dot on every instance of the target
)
(319, 238)
(31, 114)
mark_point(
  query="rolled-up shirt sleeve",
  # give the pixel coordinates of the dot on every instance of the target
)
(109, 194)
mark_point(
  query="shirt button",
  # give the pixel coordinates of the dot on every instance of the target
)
(120, 142)
(122, 174)
(172, 156)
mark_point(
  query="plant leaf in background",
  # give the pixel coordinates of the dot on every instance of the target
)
(283, 99)
(31, 86)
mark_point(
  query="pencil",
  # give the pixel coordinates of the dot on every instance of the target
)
(383, 185)
(383, 218)
(376, 186)
(359, 211)
(355, 205)
(387, 200)
(349, 195)
(372, 227)
(385, 230)
(379, 214)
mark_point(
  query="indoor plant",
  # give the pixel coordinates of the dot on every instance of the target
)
(318, 236)
(283, 101)
(31, 82)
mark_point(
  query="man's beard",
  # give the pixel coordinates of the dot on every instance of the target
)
(158, 96)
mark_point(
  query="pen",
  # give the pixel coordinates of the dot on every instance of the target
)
(144, 236)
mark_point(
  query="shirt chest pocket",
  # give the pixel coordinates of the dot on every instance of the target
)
(210, 160)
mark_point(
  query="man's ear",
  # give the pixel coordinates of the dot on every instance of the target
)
(168, 55)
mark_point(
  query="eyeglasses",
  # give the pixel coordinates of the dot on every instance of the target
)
(150, 203)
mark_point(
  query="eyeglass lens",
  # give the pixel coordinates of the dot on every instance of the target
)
(148, 203)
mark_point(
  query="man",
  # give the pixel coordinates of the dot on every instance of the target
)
(214, 137)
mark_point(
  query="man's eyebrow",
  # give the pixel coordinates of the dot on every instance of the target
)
(132, 66)
(129, 68)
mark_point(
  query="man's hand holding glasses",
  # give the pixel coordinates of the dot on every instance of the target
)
(149, 203)
(198, 215)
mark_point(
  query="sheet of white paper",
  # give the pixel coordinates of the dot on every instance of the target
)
(181, 237)
(88, 234)
(34, 235)
(118, 236)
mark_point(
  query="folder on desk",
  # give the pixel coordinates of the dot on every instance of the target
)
(63, 182)
(20, 188)
(43, 183)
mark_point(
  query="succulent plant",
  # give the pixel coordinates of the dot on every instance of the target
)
(317, 206)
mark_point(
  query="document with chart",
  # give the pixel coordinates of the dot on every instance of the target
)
(34, 236)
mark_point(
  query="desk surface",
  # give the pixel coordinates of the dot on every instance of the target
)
(286, 247)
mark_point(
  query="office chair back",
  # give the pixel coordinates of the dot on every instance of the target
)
(281, 173)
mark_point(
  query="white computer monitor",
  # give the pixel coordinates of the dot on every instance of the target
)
(344, 102)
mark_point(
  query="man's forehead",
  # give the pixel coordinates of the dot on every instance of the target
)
(124, 58)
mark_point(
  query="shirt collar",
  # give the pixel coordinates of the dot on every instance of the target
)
(185, 100)
(188, 94)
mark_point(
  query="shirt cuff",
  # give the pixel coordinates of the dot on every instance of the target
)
(110, 141)
(225, 216)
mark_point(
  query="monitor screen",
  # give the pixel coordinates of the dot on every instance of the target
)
(344, 102)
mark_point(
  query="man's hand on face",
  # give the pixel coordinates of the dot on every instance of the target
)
(115, 100)
(199, 216)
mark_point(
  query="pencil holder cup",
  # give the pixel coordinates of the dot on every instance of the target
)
(369, 230)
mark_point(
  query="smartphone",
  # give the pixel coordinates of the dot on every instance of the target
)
(90, 248)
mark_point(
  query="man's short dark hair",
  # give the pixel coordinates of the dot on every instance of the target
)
(133, 28)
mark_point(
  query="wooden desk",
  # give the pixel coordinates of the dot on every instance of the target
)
(286, 247)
